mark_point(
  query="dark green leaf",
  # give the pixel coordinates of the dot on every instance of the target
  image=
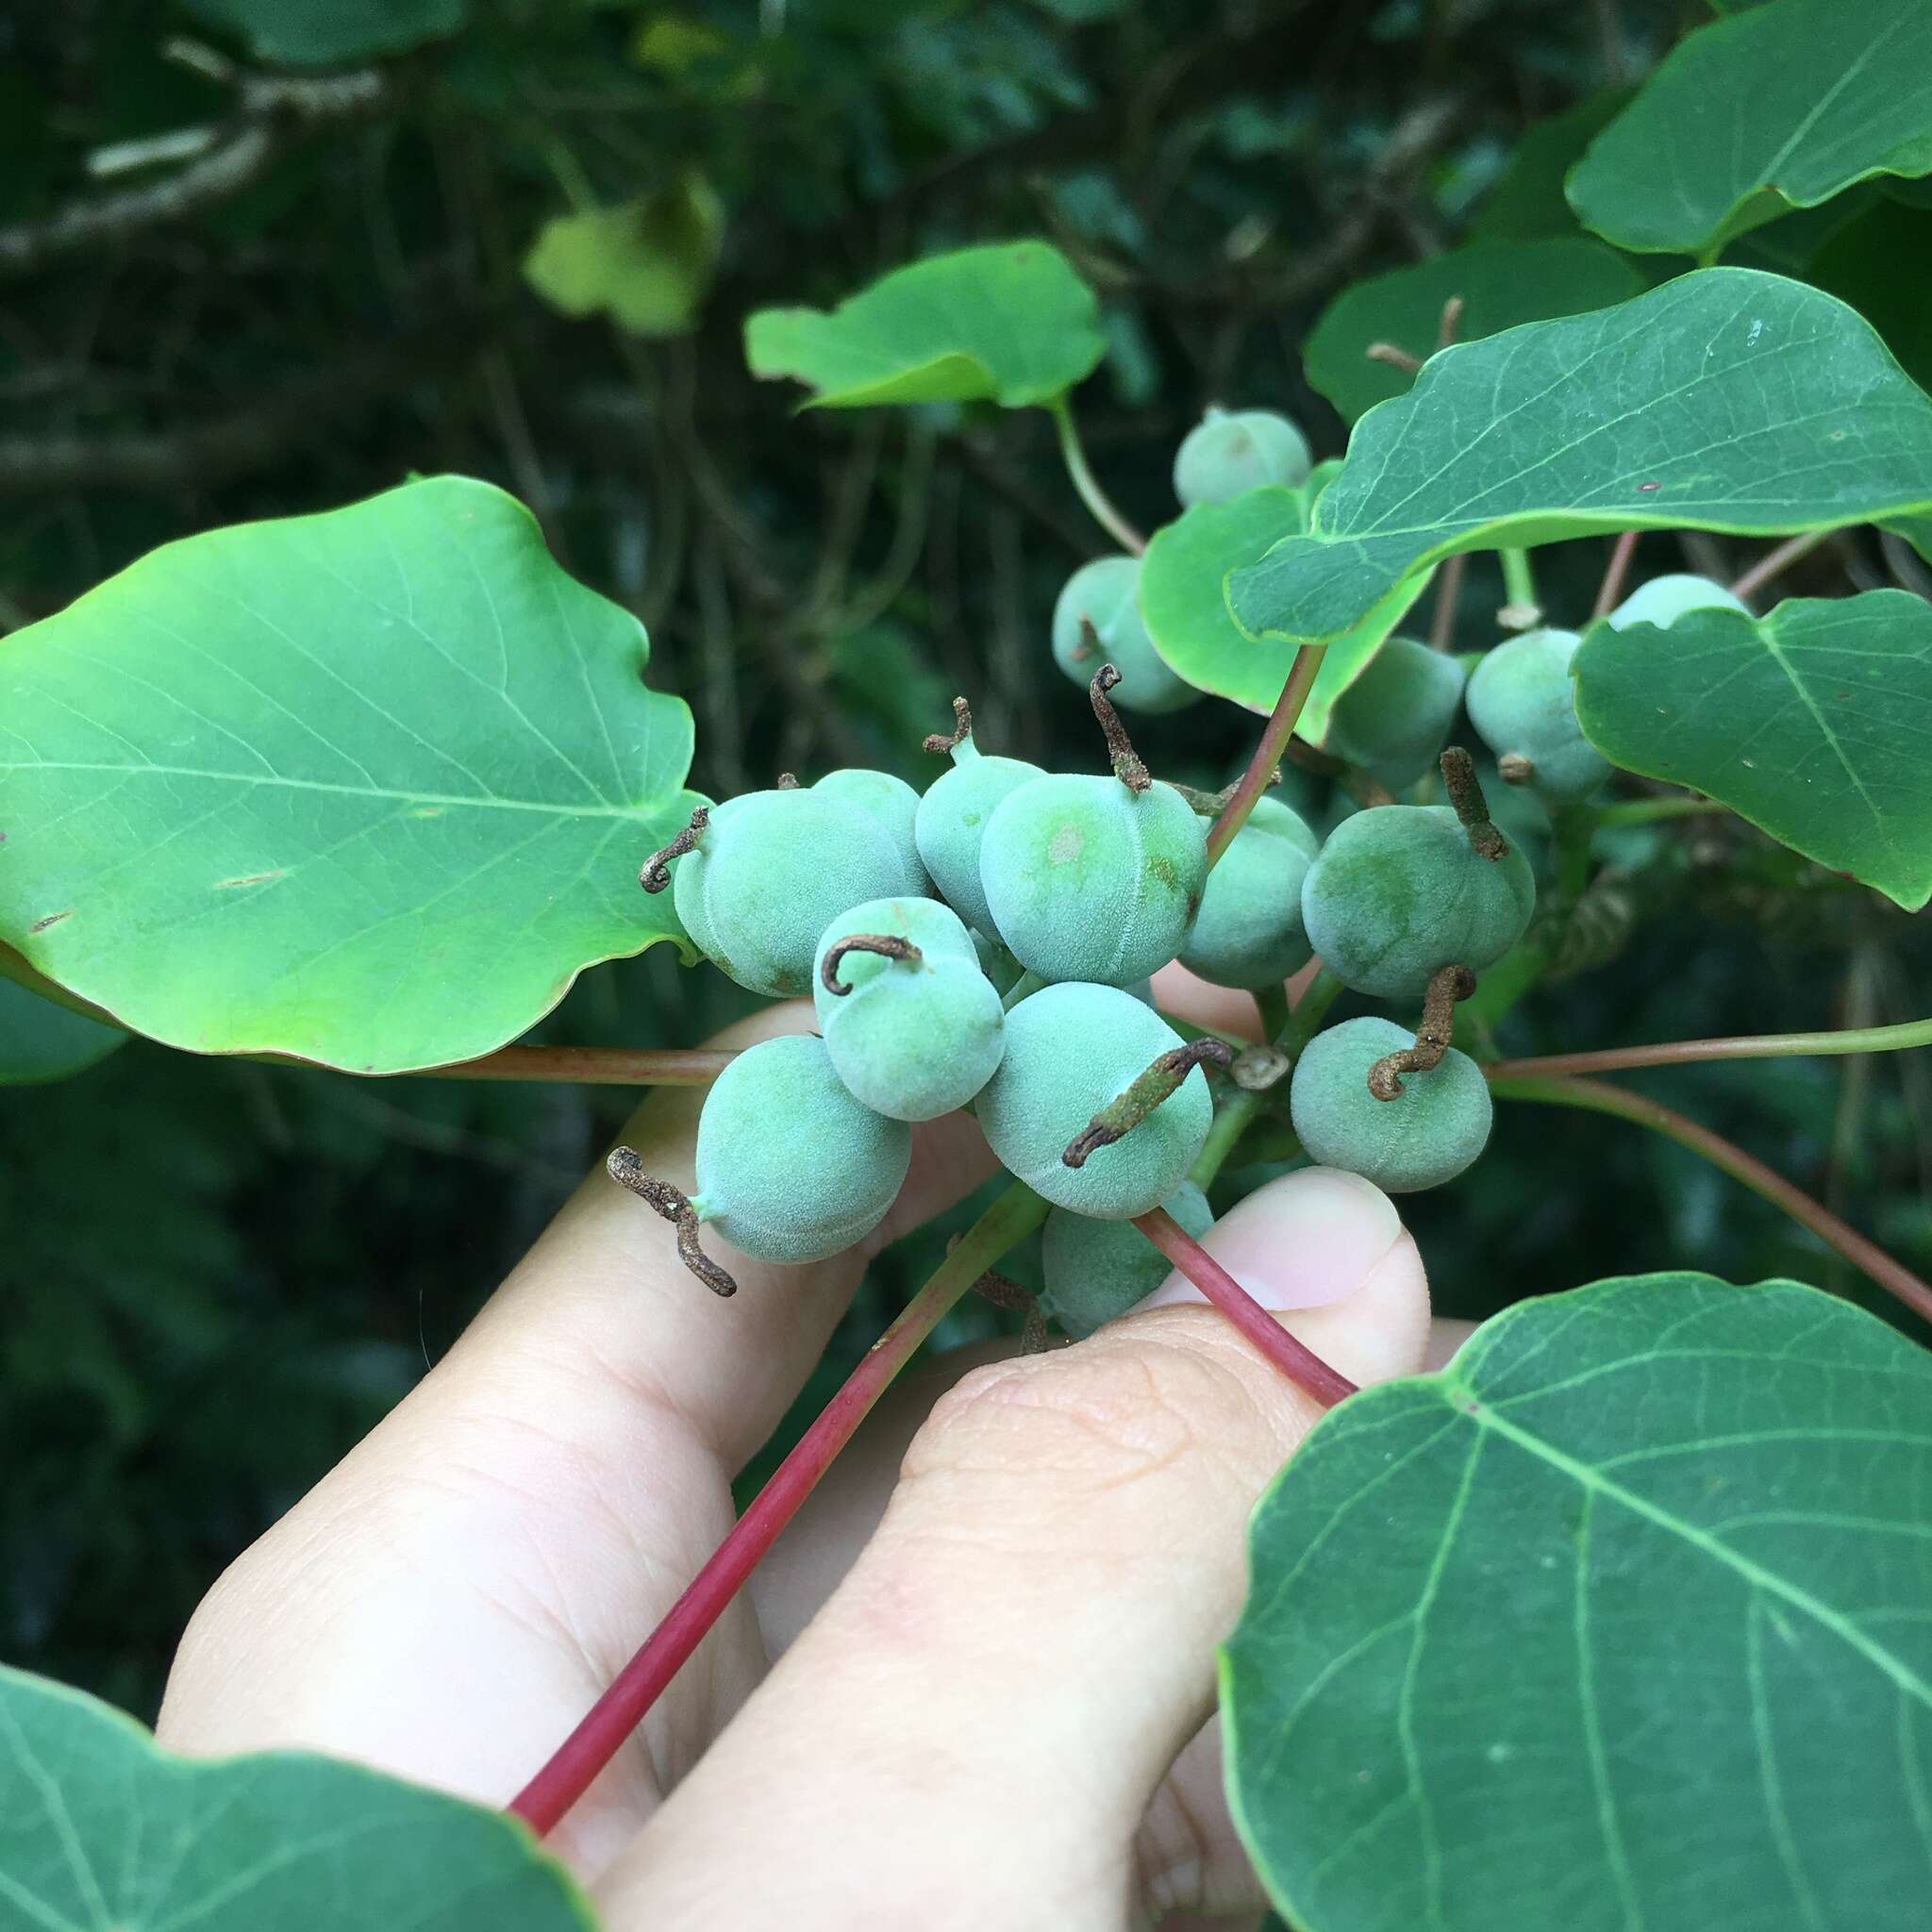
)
(1725, 400)
(39, 1041)
(1501, 284)
(1617, 1623)
(324, 33)
(1814, 722)
(1010, 323)
(1779, 107)
(1527, 202)
(101, 1829)
(1860, 264)
(370, 787)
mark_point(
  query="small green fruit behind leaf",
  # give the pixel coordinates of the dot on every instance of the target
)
(1665, 599)
(1433, 1129)
(1071, 1050)
(1523, 701)
(1104, 594)
(1249, 931)
(791, 1167)
(896, 807)
(952, 821)
(915, 1038)
(1394, 719)
(1086, 879)
(1398, 893)
(772, 871)
(1096, 1270)
(1226, 454)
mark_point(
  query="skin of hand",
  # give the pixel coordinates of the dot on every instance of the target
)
(969, 1687)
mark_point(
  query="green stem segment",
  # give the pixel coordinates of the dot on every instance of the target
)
(1746, 1046)
(1594, 1095)
(1084, 481)
(1519, 579)
(621, 1709)
(1268, 753)
(1645, 811)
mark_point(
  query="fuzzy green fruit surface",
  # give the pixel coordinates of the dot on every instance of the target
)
(1096, 1270)
(791, 1167)
(892, 804)
(951, 824)
(1398, 893)
(1104, 594)
(1088, 880)
(1249, 930)
(1071, 1050)
(772, 871)
(1522, 703)
(1663, 600)
(913, 1039)
(1394, 719)
(1230, 452)
(1433, 1129)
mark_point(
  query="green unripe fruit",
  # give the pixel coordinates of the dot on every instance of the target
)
(1663, 600)
(772, 871)
(912, 1038)
(951, 824)
(1249, 930)
(1096, 1270)
(1523, 701)
(1433, 1129)
(1227, 453)
(1071, 1050)
(892, 804)
(1394, 719)
(1104, 594)
(791, 1167)
(1086, 879)
(1398, 893)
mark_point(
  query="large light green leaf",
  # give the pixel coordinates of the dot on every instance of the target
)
(324, 33)
(370, 787)
(1010, 323)
(1185, 607)
(102, 1831)
(646, 263)
(1500, 283)
(1725, 400)
(1618, 1624)
(1776, 109)
(1814, 722)
(39, 1041)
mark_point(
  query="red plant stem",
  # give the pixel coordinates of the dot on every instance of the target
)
(1612, 587)
(595, 1066)
(1865, 1255)
(1295, 1359)
(1268, 754)
(1448, 593)
(1772, 562)
(1745, 1046)
(616, 1714)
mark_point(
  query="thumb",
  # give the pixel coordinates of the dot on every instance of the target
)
(1027, 1643)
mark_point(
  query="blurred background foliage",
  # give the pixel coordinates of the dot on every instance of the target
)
(520, 243)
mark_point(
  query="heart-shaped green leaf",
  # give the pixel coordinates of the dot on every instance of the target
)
(369, 787)
(1501, 284)
(1184, 603)
(1618, 1621)
(303, 33)
(1814, 722)
(100, 1828)
(1728, 399)
(1010, 323)
(39, 1041)
(647, 263)
(1748, 118)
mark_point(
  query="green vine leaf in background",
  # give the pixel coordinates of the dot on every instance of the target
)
(39, 1041)
(1617, 1621)
(1501, 284)
(1010, 323)
(1728, 399)
(1748, 118)
(100, 1827)
(369, 787)
(300, 33)
(646, 263)
(1814, 722)
(1526, 201)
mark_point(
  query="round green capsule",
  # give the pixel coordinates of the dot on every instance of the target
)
(1103, 594)
(1522, 703)
(1096, 1270)
(1230, 452)
(951, 822)
(791, 1167)
(1249, 930)
(1665, 599)
(1433, 1129)
(893, 805)
(1394, 719)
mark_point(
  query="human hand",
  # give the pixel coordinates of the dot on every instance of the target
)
(993, 1663)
